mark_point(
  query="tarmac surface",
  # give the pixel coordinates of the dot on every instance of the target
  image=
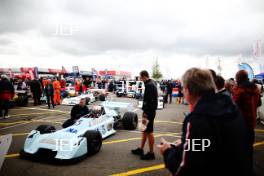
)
(115, 157)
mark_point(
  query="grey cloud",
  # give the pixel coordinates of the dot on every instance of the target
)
(19, 16)
(5, 41)
(132, 26)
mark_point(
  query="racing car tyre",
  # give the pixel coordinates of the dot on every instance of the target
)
(44, 129)
(118, 94)
(94, 141)
(130, 121)
(102, 98)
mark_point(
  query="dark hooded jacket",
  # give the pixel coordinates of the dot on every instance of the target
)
(150, 99)
(49, 90)
(6, 90)
(35, 87)
(217, 119)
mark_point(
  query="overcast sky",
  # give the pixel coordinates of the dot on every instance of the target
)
(129, 34)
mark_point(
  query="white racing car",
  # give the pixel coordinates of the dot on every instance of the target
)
(99, 94)
(82, 138)
(75, 100)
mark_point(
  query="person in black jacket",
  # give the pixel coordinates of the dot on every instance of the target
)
(6, 94)
(214, 119)
(49, 92)
(77, 112)
(36, 90)
(150, 102)
(169, 91)
(220, 86)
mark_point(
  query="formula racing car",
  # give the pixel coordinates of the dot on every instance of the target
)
(99, 94)
(75, 100)
(83, 138)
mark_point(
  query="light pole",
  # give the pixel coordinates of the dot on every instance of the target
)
(219, 67)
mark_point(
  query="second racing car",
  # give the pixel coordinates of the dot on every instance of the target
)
(89, 97)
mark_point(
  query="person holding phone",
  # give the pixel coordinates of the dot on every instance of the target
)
(215, 119)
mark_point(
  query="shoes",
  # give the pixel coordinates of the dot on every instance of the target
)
(148, 156)
(6, 117)
(138, 151)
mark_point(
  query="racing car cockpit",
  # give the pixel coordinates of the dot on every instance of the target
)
(96, 112)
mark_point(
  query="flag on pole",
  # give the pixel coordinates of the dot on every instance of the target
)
(63, 70)
(257, 49)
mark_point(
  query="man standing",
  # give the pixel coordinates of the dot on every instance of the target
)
(247, 97)
(149, 108)
(220, 86)
(169, 91)
(35, 88)
(6, 94)
(57, 90)
(49, 92)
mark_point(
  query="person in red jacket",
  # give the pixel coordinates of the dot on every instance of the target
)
(63, 83)
(77, 86)
(6, 94)
(84, 88)
(247, 97)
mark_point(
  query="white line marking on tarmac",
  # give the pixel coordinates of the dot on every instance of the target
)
(21, 124)
(51, 110)
(56, 118)
(156, 131)
(43, 106)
